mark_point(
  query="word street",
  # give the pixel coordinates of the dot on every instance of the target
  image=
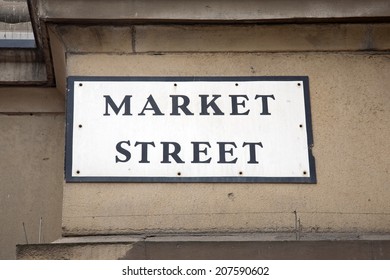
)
(171, 151)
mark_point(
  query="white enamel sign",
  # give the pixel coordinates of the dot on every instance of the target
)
(182, 129)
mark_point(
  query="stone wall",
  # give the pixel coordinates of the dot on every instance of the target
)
(347, 65)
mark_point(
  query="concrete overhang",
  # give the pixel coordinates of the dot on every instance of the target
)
(51, 51)
(140, 11)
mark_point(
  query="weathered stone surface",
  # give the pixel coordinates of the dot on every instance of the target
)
(219, 247)
(262, 38)
(31, 172)
(350, 114)
(31, 100)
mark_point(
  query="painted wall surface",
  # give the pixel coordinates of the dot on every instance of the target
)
(31, 166)
(350, 105)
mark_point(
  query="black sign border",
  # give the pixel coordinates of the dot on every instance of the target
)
(235, 179)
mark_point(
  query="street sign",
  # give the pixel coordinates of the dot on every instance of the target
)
(189, 129)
